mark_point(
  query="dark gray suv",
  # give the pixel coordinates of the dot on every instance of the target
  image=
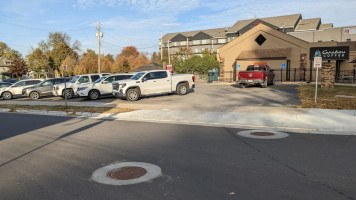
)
(43, 88)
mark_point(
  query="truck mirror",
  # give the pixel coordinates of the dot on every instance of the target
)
(144, 79)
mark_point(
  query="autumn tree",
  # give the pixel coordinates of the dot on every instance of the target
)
(18, 67)
(6, 51)
(37, 61)
(71, 63)
(56, 48)
(106, 65)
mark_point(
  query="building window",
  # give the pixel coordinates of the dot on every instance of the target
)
(196, 42)
(221, 41)
(230, 39)
(348, 40)
(175, 44)
(183, 43)
(205, 41)
(197, 50)
(319, 40)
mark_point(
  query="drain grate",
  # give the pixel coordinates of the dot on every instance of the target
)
(126, 173)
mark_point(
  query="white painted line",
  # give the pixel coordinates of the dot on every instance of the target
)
(277, 134)
(100, 175)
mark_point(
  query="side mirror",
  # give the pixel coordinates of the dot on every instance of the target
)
(144, 79)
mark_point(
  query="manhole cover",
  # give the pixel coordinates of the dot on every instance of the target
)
(262, 133)
(126, 173)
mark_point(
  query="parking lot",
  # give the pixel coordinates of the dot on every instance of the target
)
(210, 97)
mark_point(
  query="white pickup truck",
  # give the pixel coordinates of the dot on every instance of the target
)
(153, 82)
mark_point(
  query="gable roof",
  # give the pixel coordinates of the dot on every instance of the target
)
(268, 30)
(324, 26)
(3, 61)
(286, 21)
(308, 24)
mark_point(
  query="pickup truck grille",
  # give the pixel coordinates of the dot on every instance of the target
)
(115, 86)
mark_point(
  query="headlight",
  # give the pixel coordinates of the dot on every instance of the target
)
(82, 88)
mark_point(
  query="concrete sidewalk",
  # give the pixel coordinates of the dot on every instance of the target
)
(323, 121)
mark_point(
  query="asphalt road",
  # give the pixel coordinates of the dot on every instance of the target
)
(215, 97)
(45, 157)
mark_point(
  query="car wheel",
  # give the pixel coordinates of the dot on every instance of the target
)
(132, 95)
(265, 83)
(34, 95)
(182, 89)
(7, 95)
(94, 95)
(68, 93)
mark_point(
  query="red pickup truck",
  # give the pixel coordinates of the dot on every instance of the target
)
(256, 74)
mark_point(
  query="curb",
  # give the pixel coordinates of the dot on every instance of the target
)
(122, 117)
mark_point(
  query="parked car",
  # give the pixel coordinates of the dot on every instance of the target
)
(153, 82)
(43, 88)
(12, 81)
(72, 85)
(5, 84)
(101, 87)
(256, 75)
(16, 88)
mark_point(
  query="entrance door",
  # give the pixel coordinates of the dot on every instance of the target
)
(288, 71)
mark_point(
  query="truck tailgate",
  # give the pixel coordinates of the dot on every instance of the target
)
(251, 75)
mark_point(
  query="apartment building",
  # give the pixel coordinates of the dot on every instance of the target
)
(4, 68)
(212, 39)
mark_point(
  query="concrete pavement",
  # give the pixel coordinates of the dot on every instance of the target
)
(320, 121)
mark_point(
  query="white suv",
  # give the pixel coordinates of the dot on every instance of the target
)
(16, 89)
(102, 86)
(72, 85)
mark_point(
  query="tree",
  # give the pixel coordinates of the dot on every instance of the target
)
(59, 53)
(197, 64)
(110, 57)
(121, 64)
(129, 51)
(6, 51)
(106, 65)
(87, 65)
(155, 58)
(37, 61)
(71, 63)
(18, 67)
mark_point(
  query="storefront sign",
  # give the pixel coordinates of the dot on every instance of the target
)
(238, 67)
(283, 65)
(330, 53)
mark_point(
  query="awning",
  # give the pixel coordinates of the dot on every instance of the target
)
(281, 53)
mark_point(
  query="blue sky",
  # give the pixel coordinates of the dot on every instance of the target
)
(24, 23)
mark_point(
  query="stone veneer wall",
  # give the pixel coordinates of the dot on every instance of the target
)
(328, 75)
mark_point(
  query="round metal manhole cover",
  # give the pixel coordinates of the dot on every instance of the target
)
(126, 173)
(263, 134)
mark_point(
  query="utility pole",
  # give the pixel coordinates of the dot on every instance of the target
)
(169, 56)
(161, 48)
(99, 34)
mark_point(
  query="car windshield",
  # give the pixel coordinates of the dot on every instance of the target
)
(100, 79)
(75, 78)
(137, 76)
